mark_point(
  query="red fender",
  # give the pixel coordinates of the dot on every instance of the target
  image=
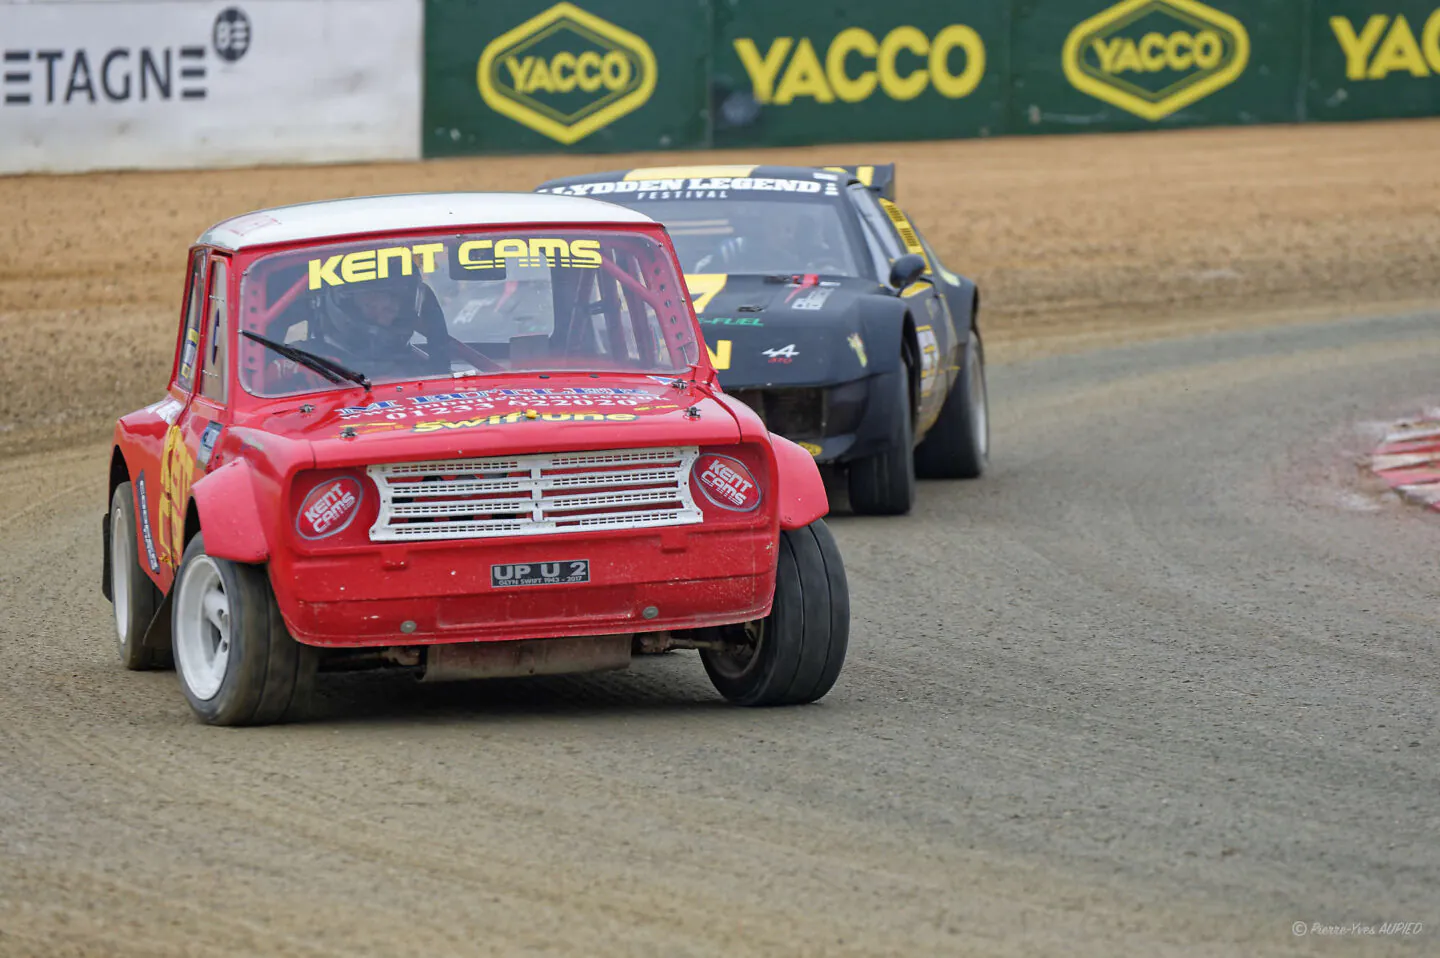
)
(229, 516)
(799, 488)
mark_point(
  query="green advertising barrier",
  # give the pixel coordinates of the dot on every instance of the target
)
(828, 70)
(597, 76)
(528, 76)
(1141, 64)
(1373, 58)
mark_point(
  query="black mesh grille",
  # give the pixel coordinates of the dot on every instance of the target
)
(793, 413)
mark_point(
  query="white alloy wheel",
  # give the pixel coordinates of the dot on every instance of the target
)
(122, 547)
(202, 628)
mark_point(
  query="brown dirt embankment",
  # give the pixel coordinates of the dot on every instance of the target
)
(1075, 241)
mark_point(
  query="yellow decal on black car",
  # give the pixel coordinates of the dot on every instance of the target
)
(907, 232)
(703, 287)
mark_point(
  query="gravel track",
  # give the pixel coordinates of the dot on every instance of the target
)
(1163, 683)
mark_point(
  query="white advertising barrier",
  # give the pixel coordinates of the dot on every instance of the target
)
(191, 83)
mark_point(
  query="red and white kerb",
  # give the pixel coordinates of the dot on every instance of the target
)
(329, 508)
(727, 483)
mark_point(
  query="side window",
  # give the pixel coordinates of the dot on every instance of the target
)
(212, 371)
(190, 334)
(906, 232)
(884, 245)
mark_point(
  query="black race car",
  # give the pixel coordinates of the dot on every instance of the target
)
(827, 313)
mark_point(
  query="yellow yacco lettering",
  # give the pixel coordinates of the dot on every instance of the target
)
(587, 71)
(1430, 40)
(720, 355)
(519, 71)
(1399, 51)
(1357, 49)
(948, 84)
(804, 77)
(848, 41)
(894, 85)
(324, 273)
(1129, 58)
(1108, 53)
(1152, 52)
(1173, 56)
(539, 78)
(763, 71)
(562, 71)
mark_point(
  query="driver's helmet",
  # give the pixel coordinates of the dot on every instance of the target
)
(372, 318)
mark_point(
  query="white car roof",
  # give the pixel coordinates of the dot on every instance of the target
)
(381, 214)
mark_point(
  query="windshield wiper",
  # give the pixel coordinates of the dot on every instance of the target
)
(328, 368)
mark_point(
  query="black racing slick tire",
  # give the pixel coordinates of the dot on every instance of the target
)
(793, 655)
(237, 662)
(958, 445)
(135, 597)
(884, 484)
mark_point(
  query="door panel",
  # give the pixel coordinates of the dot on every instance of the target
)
(189, 440)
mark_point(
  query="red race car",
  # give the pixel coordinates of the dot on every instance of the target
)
(467, 435)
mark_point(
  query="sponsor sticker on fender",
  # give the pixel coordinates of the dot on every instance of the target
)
(727, 483)
(1154, 57)
(329, 508)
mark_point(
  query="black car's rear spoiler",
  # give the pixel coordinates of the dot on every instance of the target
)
(880, 177)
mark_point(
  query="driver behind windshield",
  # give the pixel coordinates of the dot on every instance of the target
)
(783, 238)
(372, 322)
(368, 327)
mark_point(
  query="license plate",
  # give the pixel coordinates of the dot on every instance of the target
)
(563, 572)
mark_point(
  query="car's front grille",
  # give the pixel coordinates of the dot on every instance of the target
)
(796, 413)
(534, 494)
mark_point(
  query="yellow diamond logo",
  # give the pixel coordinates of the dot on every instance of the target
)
(566, 73)
(1153, 57)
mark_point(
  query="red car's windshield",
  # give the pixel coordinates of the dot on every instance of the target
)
(467, 303)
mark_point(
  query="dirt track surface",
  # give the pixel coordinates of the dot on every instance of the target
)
(1075, 241)
(1164, 682)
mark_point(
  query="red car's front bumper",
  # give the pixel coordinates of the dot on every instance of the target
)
(427, 593)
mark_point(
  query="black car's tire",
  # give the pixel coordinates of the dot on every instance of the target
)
(238, 664)
(958, 445)
(135, 597)
(884, 484)
(794, 654)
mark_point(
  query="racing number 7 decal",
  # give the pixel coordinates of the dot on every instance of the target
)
(703, 287)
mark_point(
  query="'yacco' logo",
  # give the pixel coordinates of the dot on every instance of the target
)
(1153, 57)
(566, 73)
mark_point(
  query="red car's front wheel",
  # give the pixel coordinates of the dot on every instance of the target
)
(794, 654)
(238, 664)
